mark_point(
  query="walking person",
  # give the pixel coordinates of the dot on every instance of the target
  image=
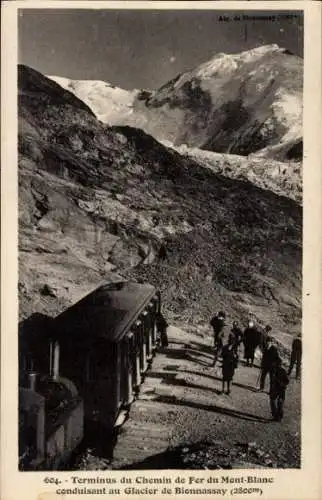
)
(229, 363)
(265, 337)
(238, 334)
(278, 384)
(296, 356)
(162, 325)
(218, 322)
(251, 341)
(269, 359)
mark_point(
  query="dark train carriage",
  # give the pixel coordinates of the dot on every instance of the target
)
(103, 344)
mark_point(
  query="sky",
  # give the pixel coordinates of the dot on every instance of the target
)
(143, 48)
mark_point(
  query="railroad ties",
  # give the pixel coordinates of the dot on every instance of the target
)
(149, 430)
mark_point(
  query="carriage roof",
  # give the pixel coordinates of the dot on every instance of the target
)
(108, 312)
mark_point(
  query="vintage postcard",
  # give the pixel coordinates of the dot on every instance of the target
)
(161, 256)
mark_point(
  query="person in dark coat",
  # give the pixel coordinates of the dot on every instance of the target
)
(238, 334)
(296, 356)
(162, 326)
(265, 338)
(251, 341)
(218, 322)
(229, 363)
(269, 359)
(278, 384)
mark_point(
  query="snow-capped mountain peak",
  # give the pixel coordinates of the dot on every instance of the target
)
(235, 103)
(225, 64)
(108, 102)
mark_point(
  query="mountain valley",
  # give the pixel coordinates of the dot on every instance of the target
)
(97, 202)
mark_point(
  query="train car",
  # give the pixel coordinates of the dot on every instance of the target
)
(51, 422)
(104, 342)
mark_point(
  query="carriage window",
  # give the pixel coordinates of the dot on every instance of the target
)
(139, 328)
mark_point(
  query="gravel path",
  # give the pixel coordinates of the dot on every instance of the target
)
(181, 416)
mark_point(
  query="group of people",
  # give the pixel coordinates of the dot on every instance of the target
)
(227, 345)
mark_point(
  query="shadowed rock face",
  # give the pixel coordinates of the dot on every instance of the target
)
(47, 91)
(296, 151)
(233, 103)
(99, 202)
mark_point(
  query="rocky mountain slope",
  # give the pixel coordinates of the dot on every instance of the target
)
(281, 177)
(97, 202)
(234, 103)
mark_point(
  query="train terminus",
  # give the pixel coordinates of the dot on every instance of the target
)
(98, 350)
(104, 342)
